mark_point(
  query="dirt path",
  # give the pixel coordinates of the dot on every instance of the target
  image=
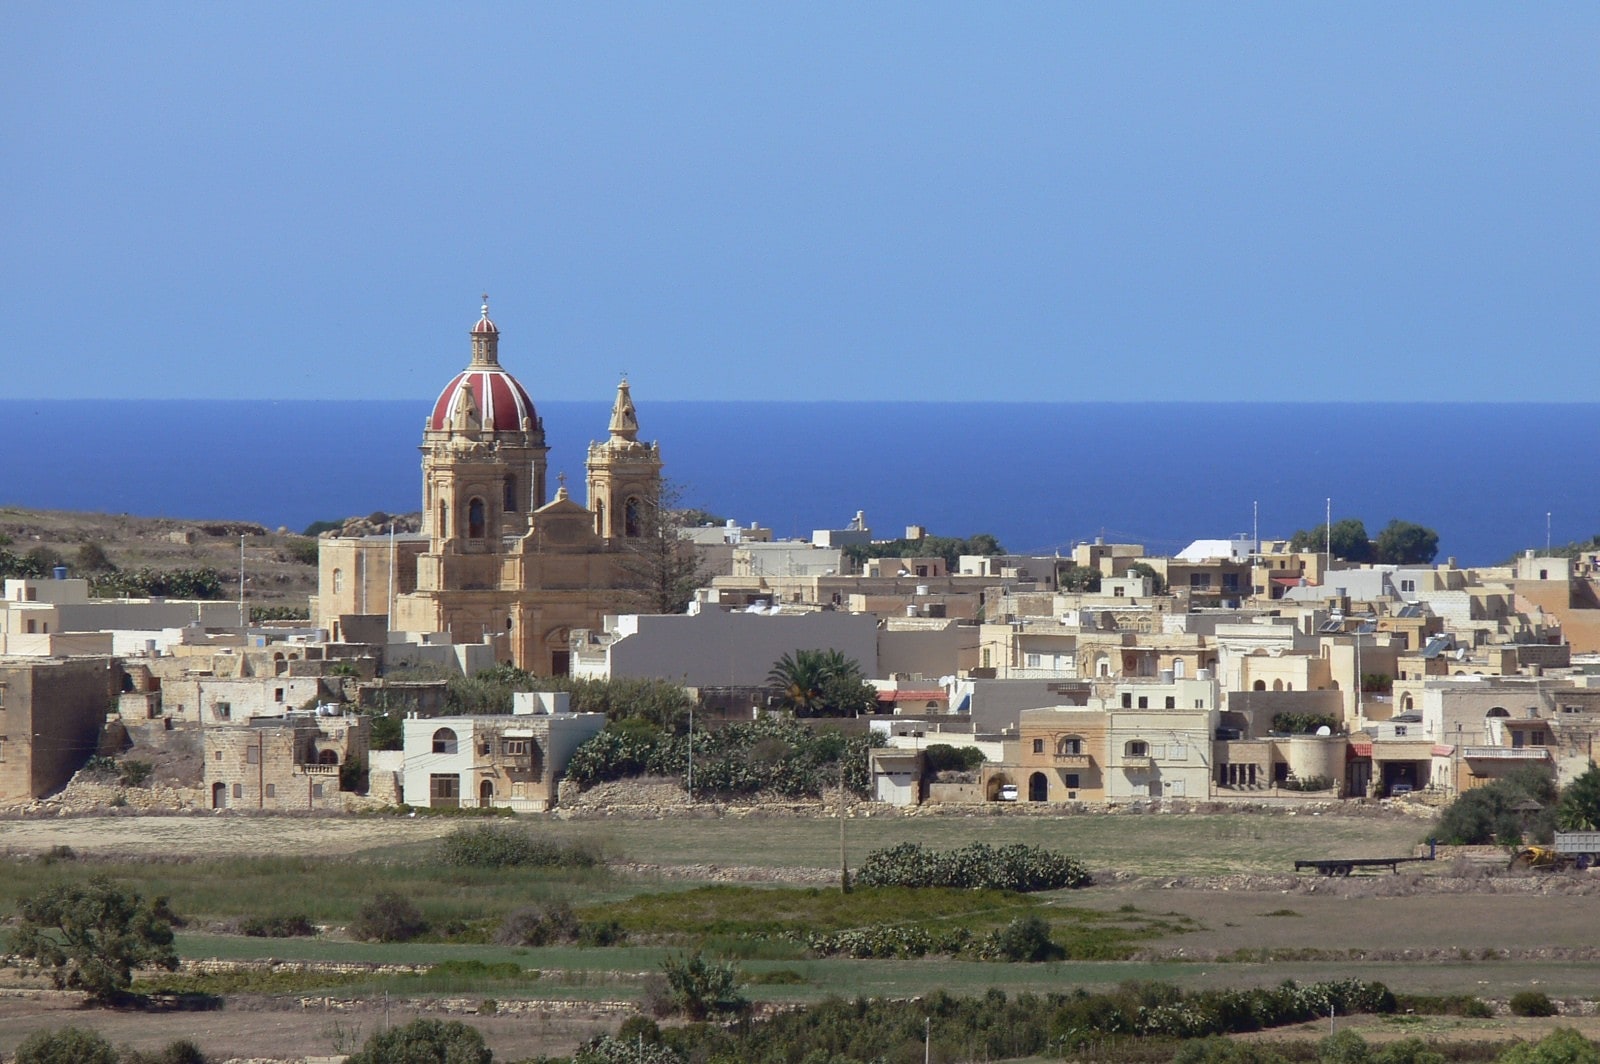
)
(213, 835)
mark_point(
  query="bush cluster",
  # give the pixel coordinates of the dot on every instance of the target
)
(942, 757)
(295, 925)
(75, 1045)
(505, 846)
(995, 1026)
(1018, 867)
(772, 754)
(200, 583)
(539, 925)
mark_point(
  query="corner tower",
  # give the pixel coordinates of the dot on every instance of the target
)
(624, 475)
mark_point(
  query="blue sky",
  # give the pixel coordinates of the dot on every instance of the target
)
(815, 201)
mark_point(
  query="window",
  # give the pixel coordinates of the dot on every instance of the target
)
(1399, 731)
(1172, 702)
(338, 581)
(1200, 581)
(1072, 781)
(632, 519)
(1038, 746)
(511, 495)
(444, 742)
(272, 790)
(1070, 746)
(475, 519)
(516, 747)
(252, 756)
(1230, 581)
(218, 757)
(1033, 661)
(277, 694)
(1127, 700)
(1137, 748)
(1408, 585)
(1144, 701)
(1119, 591)
(2, 747)
(223, 710)
(444, 790)
(238, 790)
(316, 790)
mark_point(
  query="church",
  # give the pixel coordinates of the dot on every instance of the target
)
(497, 560)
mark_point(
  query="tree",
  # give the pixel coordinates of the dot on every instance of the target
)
(1347, 540)
(69, 1045)
(822, 683)
(661, 568)
(1403, 543)
(424, 1041)
(1579, 806)
(388, 917)
(92, 558)
(91, 936)
(1488, 814)
(1157, 584)
(1074, 577)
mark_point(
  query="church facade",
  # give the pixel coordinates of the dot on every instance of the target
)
(499, 560)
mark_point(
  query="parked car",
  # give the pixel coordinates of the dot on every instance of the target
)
(1008, 792)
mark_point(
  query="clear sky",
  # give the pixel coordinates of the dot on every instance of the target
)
(1055, 201)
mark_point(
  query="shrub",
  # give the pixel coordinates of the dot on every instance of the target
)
(424, 1041)
(621, 1050)
(182, 1051)
(1532, 1003)
(1017, 867)
(1309, 783)
(502, 846)
(297, 925)
(1027, 938)
(538, 925)
(1561, 1046)
(702, 988)
(133, 773)
(388, 917)
(942, 757)
(68, 1045)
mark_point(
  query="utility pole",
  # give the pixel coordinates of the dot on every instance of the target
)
(691, 753)
(844, 865)
(244, 618)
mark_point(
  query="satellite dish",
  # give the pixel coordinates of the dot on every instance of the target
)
(1324, 730)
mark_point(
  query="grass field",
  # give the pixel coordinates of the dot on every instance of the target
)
(1224, 933)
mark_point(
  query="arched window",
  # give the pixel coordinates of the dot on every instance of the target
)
(632, 518)
(444, 741)
(475, 519)
(1277, 685)
(1038, 788)
(511, 495)
(1497, 711)
(1259, 685)
(1405, 704)
(1069, 745)
(1136, 748)
(338, 581)
(600, 518)
(328, 757)
(444, 519)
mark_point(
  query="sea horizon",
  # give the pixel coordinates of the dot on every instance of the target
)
(1040, 475)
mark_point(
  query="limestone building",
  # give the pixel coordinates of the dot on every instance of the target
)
(498, 559)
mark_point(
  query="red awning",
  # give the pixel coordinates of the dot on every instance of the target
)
(1361, 748)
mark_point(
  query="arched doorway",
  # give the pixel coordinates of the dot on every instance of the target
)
(219, 796)
(1038, 788)
(485, 794)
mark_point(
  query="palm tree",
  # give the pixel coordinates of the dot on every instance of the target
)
(817, 683)
(800, 678)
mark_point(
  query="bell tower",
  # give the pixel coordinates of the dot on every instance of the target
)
(624, 475)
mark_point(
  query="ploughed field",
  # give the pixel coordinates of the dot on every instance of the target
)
(1197, 900)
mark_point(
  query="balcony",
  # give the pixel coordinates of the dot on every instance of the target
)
(1505, 753)
(1138, 764)
(317, 770)
(1074, 761)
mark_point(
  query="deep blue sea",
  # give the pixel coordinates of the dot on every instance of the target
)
(1038, 475)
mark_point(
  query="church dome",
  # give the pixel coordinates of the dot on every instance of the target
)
(483, 395)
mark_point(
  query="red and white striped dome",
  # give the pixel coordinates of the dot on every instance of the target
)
(483, 392)
(499, 399)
